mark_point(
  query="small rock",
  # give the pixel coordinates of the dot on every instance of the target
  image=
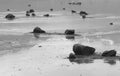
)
(27, 14)
(109, 53)
(38, 30)
(46, 15)
(72, 56)
(40, 46)
(111, 23)
(70, 32)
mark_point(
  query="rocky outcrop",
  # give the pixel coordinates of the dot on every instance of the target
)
(38, 30)
(79, 49)
(109, 53)
(10, 17)
(69, 32)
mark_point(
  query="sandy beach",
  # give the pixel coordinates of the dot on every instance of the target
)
(25, 54)
(28, 54)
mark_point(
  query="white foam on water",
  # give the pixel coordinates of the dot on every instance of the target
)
(108, 41)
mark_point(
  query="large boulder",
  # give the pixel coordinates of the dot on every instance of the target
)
(51, 9)
(38, 30)
(109, 53)
(10, 17)
(69, 32)
(79, 49)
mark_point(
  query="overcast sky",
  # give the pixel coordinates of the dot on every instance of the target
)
(108, 6)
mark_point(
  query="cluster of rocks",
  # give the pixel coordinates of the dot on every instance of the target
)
(30, 12)
(82, 50)
(81, 13)
(75, 3)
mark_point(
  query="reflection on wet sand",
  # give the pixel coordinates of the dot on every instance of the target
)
(81, 60)
(91, 59)
(36, 35)
(70, 37)
(110, 61)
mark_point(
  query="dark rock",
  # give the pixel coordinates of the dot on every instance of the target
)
(31, 11)
(27, 11)
(38, 30)
(27, 14)
(29, 5)
(70, 32)
(111, 23)
(83, 13)
(51, 9)
(40, 46)
(84, 16)
(8, 9)
(79, 49)
(64, 9)
(33, 14)
(10, 17)
(46, 15)
(73, 11)
(110, 53)
(72, 56)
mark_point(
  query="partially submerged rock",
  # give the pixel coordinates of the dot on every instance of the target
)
(27, 14)
(109, 53)
(46, 15)
(111, 23)
(79, 49)
(38, 30)
(10, 17)
(69, 32)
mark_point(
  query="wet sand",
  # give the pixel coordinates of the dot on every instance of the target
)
(49, 58)
(46, 55)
